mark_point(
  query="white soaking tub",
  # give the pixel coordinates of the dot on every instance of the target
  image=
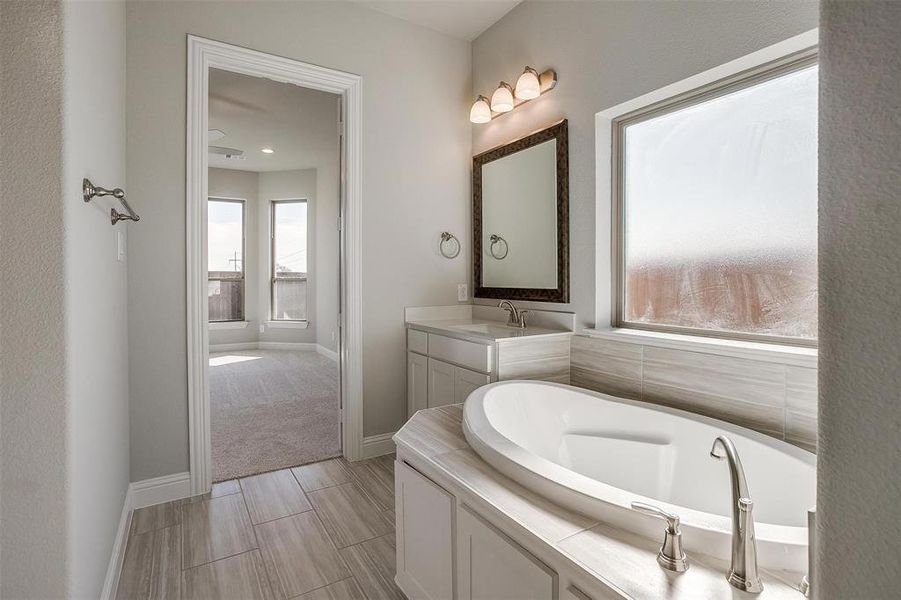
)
(596, 454)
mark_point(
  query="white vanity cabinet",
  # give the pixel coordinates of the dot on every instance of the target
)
(442, 369)
(494, 567)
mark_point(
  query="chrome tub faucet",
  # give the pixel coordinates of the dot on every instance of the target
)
(743, 572)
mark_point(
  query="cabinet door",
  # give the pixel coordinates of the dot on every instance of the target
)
(441, 383)
(425, 543)
(417, 382)
(466, 381)
(494, 567)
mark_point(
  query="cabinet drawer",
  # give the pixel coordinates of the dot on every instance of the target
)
(417, 341)
(477, 357)
(425, 536)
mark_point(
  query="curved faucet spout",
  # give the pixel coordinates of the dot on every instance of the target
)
(743, 571)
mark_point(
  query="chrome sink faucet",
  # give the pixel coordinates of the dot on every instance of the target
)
(517, 317)
(743, 571)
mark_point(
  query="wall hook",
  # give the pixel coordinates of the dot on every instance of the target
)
(91, 191)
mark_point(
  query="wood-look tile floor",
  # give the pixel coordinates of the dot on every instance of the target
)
(319, 531)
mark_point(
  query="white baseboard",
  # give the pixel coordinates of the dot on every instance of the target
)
(326, 352)
(117, 556)
(233, 347)
(377, 445)
(160, 489)
(304, 346)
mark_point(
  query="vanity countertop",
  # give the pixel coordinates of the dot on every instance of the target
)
(482, 330)
(619, 561)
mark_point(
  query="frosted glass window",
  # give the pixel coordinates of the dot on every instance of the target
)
(719, 213)
(225, 260)
(289, 260)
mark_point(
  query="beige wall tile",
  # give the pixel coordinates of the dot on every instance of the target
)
(745, 392)
(606, 366)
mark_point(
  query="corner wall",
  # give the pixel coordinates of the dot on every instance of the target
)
(858, 514)
(64, 354)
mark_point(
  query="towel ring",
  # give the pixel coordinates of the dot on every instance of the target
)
(446, 236)
(496, 239)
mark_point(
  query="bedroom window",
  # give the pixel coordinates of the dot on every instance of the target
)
(715, 202)
(225, 259)
(289, 260)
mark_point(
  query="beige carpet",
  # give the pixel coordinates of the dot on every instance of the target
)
(271, 409)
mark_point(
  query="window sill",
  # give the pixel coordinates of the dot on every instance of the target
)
(287, 324)
(796, 356)
(214, 325)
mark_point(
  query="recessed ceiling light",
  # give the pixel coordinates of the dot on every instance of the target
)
(268, 151)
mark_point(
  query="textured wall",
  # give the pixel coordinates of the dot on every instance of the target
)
(606, 53)
(858, 514)
(33, 439)
(416, 148)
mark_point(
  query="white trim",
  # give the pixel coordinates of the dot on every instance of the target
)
(215, 325)
(160, 489)
(202, 55)
(603, 154)
(330, 354)
(303, 346)
(378, 445)
(238, 346)
(287, 324)
(773, 353)
(117, 555)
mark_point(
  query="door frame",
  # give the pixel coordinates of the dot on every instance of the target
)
(204, 54)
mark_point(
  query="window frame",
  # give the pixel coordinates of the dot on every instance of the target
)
(747, 78)
(243, 278)
(272, 276)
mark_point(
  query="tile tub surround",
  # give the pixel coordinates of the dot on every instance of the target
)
(604, 561)
(263, 537)
(775, 399)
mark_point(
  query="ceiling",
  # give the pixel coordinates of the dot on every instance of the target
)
(463, 19)
(257, 113)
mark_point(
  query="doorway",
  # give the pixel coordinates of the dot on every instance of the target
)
(273, 265)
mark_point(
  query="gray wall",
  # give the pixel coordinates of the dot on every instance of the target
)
(858, 513)
(416, 149)
(64, 362)
(606, 53)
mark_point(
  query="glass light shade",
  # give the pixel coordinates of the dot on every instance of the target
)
(480, 111)
(528, 86)
(502, 99)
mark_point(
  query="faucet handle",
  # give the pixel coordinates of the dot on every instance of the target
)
(671, 555)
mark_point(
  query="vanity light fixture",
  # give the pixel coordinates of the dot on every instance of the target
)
(480, 111)
(527, 86)
(502, 98)
(530, 85)
(267, 151)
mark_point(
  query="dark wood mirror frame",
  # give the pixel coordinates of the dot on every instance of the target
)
(558, 132)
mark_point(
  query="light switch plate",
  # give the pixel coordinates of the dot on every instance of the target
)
(120, 246)
(462, 292)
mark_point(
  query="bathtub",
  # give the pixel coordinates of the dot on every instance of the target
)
(596, 454)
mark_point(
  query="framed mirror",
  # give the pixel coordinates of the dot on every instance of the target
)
(520, 208)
